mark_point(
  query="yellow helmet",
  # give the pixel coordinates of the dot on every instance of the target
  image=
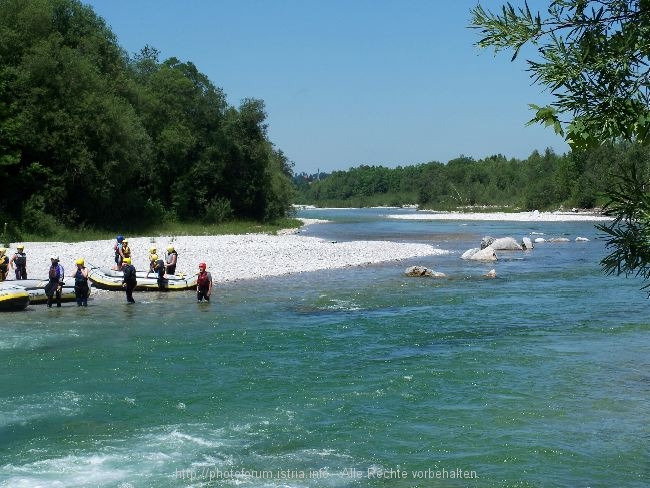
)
(125, 240)
(170, 249)
(20, 247)
(79, 262)
(3, 250)
(154, 257)
(152, 250)
(127, 260)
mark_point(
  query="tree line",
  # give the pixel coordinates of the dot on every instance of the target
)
(90, 136)
(542, 181)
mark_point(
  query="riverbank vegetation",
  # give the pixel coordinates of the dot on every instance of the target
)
(543, 182)
(95, 139)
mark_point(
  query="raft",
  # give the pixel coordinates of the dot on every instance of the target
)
(13, 297)
(36, 290)
(108, 279)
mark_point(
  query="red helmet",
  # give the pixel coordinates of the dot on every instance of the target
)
(202, 265)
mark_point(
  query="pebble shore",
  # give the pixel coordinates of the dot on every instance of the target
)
(228, 257)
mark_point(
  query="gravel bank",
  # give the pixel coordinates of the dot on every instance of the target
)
(229, 257)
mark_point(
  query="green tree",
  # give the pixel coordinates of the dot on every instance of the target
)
(592, 57)
(74, 142)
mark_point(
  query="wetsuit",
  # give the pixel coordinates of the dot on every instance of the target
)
(130, 281)
(81, 288)
(20, 262)
(159, 268)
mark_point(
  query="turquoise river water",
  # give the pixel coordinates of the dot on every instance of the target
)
(344, 378)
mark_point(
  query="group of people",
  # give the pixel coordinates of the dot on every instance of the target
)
(56, 273)
(160, 267)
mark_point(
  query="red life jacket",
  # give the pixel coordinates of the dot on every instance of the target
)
(203, 279)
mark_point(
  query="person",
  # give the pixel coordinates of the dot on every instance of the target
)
(153, 256)
(203, 284)
(159, 269)
(56, 276)
(118, 252)
(172, 257)
(19, 262)
(129, 280)
(81, 288)
(126, 250)
(4, 264)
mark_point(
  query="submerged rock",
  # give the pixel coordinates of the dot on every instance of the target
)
(423, 271)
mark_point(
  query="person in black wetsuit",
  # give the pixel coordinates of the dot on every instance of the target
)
(19, 262)
(129, 279)
(81, 288)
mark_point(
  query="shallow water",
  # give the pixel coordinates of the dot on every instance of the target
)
(540, 377)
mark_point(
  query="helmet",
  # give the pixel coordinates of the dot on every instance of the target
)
(127, 260)
(154, 257)
(119, 238)
(3, 250)
(152, 250)
(79, 262)
(125, 240)
(20, 246)
(170, 248)
(202, 265)
(54, 258)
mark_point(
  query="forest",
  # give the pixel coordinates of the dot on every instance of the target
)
(542, 182)
(91, 137)
(94, 138)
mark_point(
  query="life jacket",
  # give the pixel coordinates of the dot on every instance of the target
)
(126, 250)
(20, 260)
(203, 280)
(4, 263)
(79, 278)
(169, 257)
(54, 273)
(80, 281)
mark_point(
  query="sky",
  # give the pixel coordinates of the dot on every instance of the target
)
(351, 82)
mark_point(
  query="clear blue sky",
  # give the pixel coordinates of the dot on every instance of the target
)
(350, 82)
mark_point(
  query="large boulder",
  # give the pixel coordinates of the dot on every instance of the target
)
(476, 254)
(501, 243)
(423, 271)
(505, 244)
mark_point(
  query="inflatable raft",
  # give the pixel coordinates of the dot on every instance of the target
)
(108, 279)
(36, 290)
(13, 297)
